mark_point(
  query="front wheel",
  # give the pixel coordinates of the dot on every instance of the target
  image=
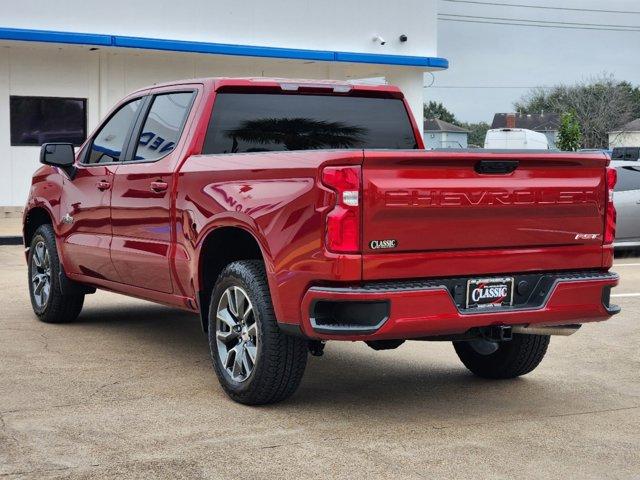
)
(254, 360)
(49, 303)
(510, 359)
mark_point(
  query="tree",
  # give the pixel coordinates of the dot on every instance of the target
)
(477, 132)
(439, 111)
(634, 92)
(569, 135)
(296, 133)
(600, 105)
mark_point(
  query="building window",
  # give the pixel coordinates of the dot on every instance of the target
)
(38, 120)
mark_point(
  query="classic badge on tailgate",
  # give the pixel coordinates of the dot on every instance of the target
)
(378, 244)
(489, 292)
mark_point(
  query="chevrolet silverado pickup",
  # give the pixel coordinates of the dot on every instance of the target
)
(289, 213)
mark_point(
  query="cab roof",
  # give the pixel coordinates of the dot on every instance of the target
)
(283, 84)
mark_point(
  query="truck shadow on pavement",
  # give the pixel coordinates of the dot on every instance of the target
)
(418, 378)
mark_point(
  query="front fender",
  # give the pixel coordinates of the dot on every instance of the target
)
(45, 193)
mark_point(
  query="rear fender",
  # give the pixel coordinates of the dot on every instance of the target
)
(249, 225)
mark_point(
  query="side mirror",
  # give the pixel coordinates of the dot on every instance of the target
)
(57, 154)
(60, 155)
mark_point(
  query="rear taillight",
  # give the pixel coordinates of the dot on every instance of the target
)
(343, 220)
(610, 217)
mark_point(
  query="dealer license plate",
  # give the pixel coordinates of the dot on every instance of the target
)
(489, 292)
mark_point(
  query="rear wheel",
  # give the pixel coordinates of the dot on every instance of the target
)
(510, 359)
(49, 303)
(254, 360)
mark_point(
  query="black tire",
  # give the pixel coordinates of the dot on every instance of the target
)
(57, 308)
(514, 358)
(280, 360)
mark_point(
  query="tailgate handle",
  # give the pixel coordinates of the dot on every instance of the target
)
(496, 167)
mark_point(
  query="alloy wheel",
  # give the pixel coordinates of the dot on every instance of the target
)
(41, 274)
(236, 334)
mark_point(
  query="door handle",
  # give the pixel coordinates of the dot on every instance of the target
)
(159, 186)
(103, 185)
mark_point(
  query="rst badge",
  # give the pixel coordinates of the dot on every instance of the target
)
(378, 244)
(489, 292)
(587, 236)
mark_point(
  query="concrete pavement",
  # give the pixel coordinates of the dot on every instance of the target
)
(127, 391)
(11, 226)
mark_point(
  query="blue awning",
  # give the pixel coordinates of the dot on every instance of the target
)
(431, 63)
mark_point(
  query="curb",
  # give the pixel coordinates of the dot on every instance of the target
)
(11, 240)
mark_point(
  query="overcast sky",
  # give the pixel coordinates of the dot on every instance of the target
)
(520, 57)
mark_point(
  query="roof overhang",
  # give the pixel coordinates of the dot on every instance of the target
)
(103, 40)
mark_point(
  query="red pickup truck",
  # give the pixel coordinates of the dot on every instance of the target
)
(288, 213)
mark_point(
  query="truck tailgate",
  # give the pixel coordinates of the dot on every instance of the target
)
(440, 202)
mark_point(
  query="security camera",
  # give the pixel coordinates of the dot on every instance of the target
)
(379, 40)
(403, 38)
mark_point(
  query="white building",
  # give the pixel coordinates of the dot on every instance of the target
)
(627, 136)
(86, 55)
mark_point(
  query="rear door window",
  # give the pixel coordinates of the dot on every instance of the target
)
(163, 125)
(256, 122)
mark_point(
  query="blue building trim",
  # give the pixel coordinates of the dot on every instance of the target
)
(406, 61)
(219, 48)
(54, 37)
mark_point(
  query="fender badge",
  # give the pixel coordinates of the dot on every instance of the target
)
(587, 236)
(68, 219)
(378, 244)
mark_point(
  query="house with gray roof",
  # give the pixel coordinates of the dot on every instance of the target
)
(626, 136)
(441, 134)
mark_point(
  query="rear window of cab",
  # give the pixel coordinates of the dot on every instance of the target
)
(263, 122)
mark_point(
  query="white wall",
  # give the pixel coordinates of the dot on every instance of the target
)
(104, 76)
(57, 72)
(335, 25)
(624, 139)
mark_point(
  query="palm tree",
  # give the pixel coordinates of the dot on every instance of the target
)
(296, 133)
